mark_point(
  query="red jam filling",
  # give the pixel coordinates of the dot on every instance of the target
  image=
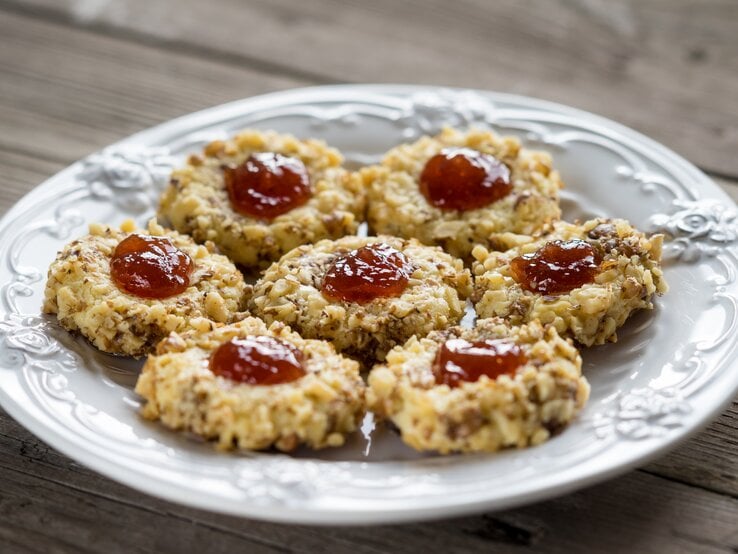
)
(373, 271)
(557, 267)
(464, 179)
(258, 360)
(150, 267)
(459, 360)
(267, 184)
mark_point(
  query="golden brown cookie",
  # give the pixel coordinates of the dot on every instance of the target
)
(197, 201)
(84, 297)
(318, 409)
(434, 298)
(541, 398)
(398, 207)
(628, 276)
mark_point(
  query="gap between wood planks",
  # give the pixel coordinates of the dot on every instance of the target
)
(687, 483)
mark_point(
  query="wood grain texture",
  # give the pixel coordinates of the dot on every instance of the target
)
(65, 93)
(20, 172)
(658, 66)
(710, 460)
(72, 81)
(50, 504)
(728, 186)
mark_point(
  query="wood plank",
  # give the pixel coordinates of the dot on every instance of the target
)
(65, 92)
(47, 501)
(652, 65)
(21, 172)
(51, 504)
(709, 460)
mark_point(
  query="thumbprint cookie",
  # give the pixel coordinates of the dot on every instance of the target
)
(246, 385)
(584, 279)
(261, 194)
(365, 294)
(457, 190)
(125, 289)
(480, 389)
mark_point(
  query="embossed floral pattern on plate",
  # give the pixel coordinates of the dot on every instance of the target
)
(668, 374)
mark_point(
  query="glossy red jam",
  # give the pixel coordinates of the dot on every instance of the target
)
(459, 361)
(557, 267)
(267, 185)
(258, 360)
(464, 179)
(150, 267)
(373, 271)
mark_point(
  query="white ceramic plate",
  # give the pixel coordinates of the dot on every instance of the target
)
(666, 377)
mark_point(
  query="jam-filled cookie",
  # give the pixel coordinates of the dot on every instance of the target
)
(247, 385)
(126, 289)
(584, 279)
(261, 194)
(480, 389)
(457, 190)
(365, 294)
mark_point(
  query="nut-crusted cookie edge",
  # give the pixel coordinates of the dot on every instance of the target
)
(435, 297)
(397, 207)
(630, 276)
(317, 410)
(81, 293)
(487, 415)
(196, 201)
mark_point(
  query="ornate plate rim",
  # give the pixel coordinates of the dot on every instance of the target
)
(51, 432)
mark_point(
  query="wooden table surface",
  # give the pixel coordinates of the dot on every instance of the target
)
(76, 75)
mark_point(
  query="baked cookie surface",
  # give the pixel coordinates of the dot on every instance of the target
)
(317, 410)
(486, 415)
(82, 294)
(290, 292)
(197, 201)
(628, 277)
(396, 205)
